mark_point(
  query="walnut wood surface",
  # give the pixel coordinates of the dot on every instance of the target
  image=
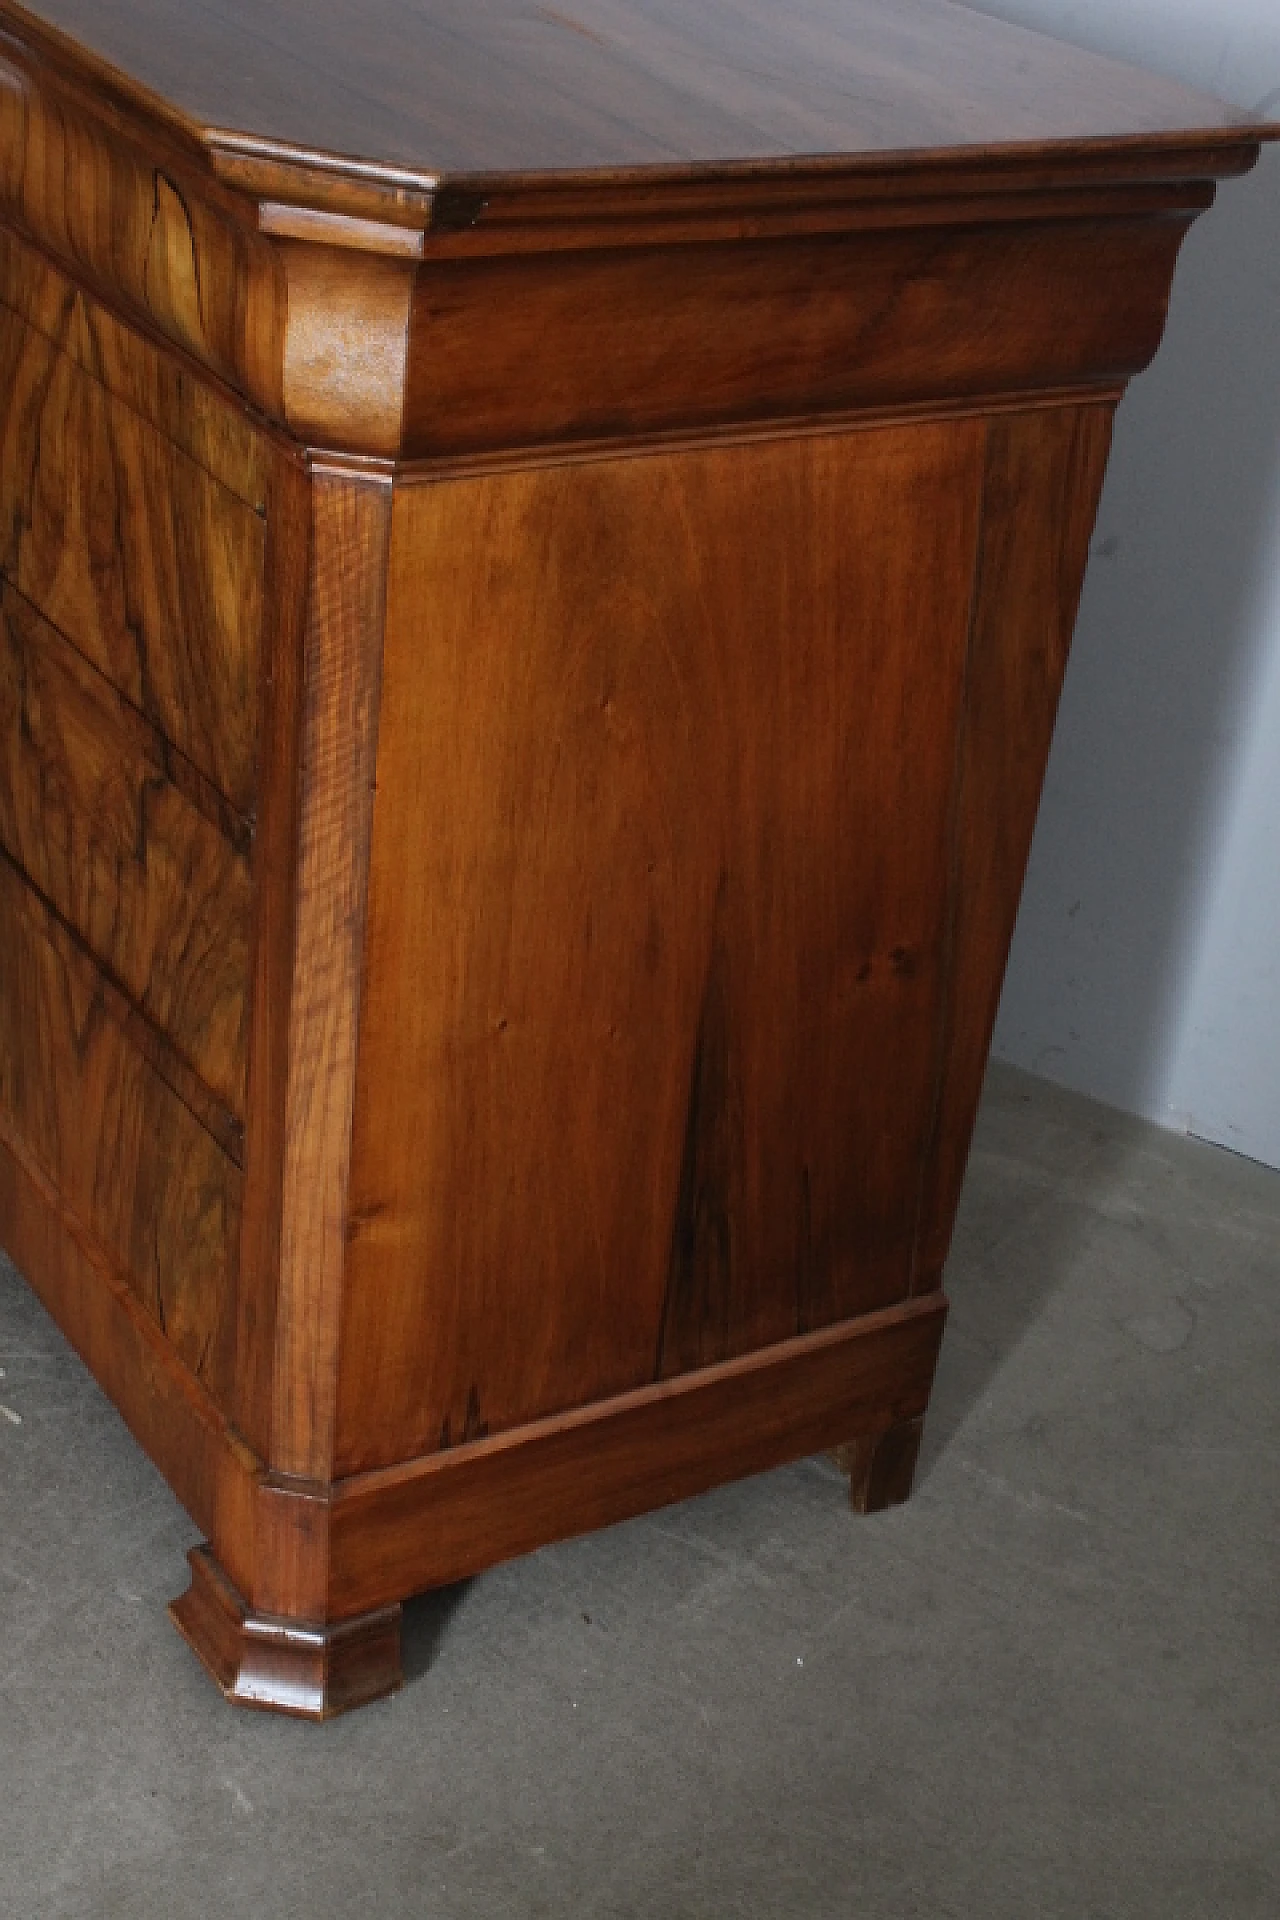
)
(881, 1466)
(346, 351)
(136, 860)
(442, 1517)
(191, 413)
(653, 340)
(485, 86)
(282, 1665)
(338, 717)
(667, 880)
(384, 311)
(537, 553)
(170, 1413)
(1043, 478)
(135, 553)
(274, 940)
(122, 198)
(127, 1156)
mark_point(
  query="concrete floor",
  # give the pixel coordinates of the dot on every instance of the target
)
(1048, 1686)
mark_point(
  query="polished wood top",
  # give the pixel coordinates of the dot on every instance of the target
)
(427, 89)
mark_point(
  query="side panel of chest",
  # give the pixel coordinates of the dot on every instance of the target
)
(657, 918)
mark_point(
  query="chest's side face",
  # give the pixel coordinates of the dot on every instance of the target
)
(666, 873)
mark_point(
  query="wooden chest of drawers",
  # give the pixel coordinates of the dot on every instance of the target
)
(537, 556)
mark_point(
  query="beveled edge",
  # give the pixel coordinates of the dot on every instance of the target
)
(451, 215)
(345, 184)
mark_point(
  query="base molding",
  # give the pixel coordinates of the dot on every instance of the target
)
(285, 1666)
(445, 1516)
(296, 1604)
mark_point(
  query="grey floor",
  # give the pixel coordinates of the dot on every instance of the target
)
(1049, 1686)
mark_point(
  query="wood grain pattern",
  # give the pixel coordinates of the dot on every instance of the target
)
(274, 932)
(536, 557)
(346, 354)
(127, 844)
(166, 390)
(457, 87)
(635, 342)
(135, 553)
(119, 191)
(207, 233)
(428, 1522)
(567, 213)
(397, 1531)
(127, 1157)
(338, 715)
(1043, 480)
(170, 1413)
(656, 919)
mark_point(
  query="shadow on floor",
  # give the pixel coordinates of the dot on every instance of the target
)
(1046, 1164)
(426, 1623)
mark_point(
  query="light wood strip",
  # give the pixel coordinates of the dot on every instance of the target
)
(338, 706)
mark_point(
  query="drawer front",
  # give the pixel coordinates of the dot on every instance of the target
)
(129, 843)
(129, 1161)
(150, 566)
(641, 341)
(154, 383)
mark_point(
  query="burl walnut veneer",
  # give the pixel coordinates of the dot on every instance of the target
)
(538, 550)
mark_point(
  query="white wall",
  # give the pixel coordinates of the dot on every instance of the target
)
(1146, 965)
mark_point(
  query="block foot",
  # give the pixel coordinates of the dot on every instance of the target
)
(881, 1466)
(285, 1666)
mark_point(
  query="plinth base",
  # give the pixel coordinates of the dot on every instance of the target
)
(278, 1665)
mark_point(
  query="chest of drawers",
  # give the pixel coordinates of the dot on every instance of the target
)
(537, 557)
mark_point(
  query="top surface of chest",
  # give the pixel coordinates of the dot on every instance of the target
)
(439, 88)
